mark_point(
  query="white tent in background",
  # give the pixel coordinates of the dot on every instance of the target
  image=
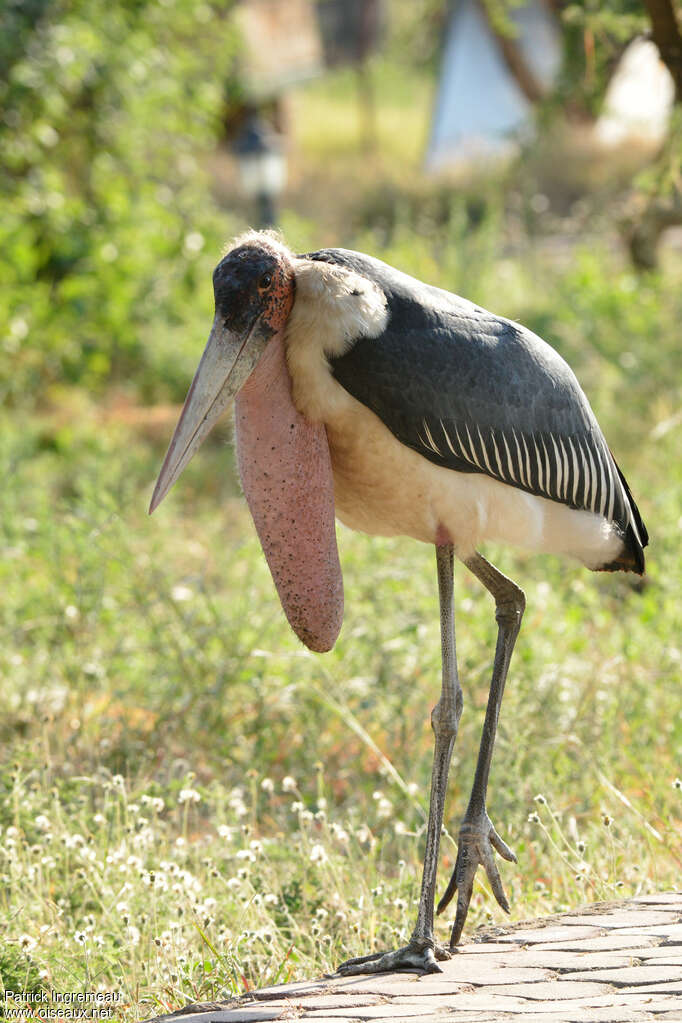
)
(639, 99)
(488, 82)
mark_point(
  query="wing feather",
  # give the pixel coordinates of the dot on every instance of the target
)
(474, 392)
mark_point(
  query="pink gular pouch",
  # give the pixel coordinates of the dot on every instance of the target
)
(286, 472)
(283, 458)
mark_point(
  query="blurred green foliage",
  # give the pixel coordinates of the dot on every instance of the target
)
(595, 35)
(107, 216)
(104, 207)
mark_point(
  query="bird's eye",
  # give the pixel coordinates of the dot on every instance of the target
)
(265, 281)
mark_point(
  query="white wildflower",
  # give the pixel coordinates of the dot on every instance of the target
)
(318, 853)
(237, 804)
(194, 243)
(384, 808)
(189, 796)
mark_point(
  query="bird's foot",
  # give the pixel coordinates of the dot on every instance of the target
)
(418, 955)
(475, 844)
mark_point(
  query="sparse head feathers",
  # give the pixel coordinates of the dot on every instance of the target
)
(268, 239)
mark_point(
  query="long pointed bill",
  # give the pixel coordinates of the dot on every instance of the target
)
(226, 364)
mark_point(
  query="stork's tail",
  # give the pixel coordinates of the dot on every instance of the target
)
(635, 538)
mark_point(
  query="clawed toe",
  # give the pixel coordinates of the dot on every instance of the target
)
(413, 957)
(477, 840)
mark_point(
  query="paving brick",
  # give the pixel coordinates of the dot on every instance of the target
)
(672, 987)
(626, 918)
(439, 1018)
(555, 960)
(467, 1016)
(392, 987)
(632, 997)
(336, 1001)
(627, 976)
(542, 935)
(671, 933)
(613, 942)
(485, 972)
(481, 948)
(245, 1014)
(651, 953)
(300, 987)
(659, 898)
(562, 960)
(615, 1014)
(387, 1010)
(570, 1013)
(482, 1000)
(547, 989)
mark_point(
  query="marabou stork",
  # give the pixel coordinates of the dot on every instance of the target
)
(403, 409)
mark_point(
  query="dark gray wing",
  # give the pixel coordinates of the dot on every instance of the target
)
(474, 392)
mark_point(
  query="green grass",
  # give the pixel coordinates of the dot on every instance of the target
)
(331, 115)
(155, 701)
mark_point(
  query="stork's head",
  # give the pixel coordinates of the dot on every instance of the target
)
(283, 458)
(254, 292)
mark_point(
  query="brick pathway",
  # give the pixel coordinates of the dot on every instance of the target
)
(606, 963)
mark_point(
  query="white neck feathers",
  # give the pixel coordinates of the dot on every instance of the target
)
(334, 307)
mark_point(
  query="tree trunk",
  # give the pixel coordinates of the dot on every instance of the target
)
(660, 213)
(666, 34)
(645, 234)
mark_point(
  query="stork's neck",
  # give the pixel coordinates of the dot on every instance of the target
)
(333, 308)
(286, 473)
(268, 373)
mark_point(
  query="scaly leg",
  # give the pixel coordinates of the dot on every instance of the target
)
(477, 836)
(420, 953)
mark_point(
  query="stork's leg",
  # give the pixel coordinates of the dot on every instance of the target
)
(420, 953)
(477, 836)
